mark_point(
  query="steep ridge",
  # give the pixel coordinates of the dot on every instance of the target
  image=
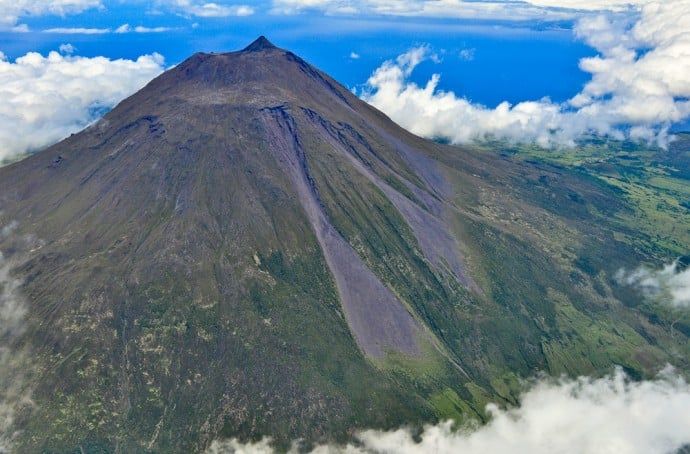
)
(243, 248)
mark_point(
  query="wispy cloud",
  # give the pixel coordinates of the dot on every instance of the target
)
(12, 307)
(296, 6)
(124, 28)
(584, 415)
(670, 284)
(640, 86)
(485, 9)
(44, 99)
(67, 48)
(11, 11)
(467, 54)
(14, 364)
(21, 28)
(78, 31)
(206, 9)
(591, 5)
(215, 10)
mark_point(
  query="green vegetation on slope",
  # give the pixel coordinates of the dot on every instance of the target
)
(653, 183)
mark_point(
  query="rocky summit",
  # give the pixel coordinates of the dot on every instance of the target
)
(244, 248)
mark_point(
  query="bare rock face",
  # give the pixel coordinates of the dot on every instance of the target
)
(243, 249)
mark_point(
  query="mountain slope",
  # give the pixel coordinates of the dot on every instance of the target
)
(244, 248)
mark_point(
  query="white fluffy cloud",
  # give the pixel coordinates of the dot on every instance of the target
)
(644, 69)
(669, 284)
(12, 10)
(640, 86)
(429, 112)
(584, 416)
(44, 99)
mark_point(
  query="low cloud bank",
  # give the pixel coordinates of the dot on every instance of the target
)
(44, 99)
(584, 415)
(12, 308)
(640, 87)
(11, 12)
(462, 9)
(13, 362)
(670, 284)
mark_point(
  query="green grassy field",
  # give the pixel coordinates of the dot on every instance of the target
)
(654, 183)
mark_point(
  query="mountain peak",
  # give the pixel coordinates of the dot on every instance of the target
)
(261, 75)
(261, 43)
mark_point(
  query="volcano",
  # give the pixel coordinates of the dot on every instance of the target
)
(244, 248)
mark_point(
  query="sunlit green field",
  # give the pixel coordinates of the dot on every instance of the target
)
(654, 182)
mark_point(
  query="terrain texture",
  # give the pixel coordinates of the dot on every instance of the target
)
(244, 249)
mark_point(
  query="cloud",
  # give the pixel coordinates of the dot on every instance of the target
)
(78, 31)
(21, 28)
(645, 68)
(542, 10)
(126, 28)
(354, 55)
(11, 11)
(206, 9)
(590, 5)
(430, 112)
(13, 362)
(140, 29)
(295, 6)
(670, 284)
(640, 87)
(215, 10)
(12, 308)
(583, 415)
(467, 54)
(44, 99)
(67, 48)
